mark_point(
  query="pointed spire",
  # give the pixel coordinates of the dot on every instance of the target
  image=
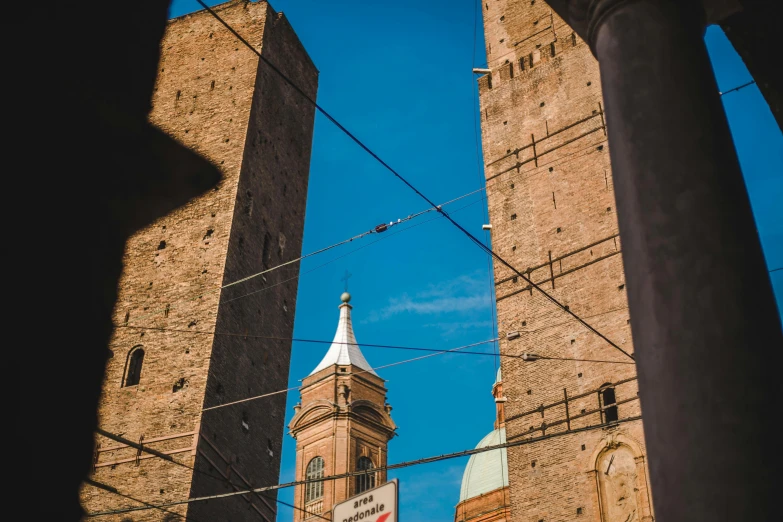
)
(344, 349)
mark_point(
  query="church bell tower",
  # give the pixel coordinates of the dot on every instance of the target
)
(341, 425)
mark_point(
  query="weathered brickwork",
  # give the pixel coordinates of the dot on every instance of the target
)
(215, 96)
(552, 209)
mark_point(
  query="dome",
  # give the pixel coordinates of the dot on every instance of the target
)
(486, 471)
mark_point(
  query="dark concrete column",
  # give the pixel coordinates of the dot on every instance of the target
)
(705, 324)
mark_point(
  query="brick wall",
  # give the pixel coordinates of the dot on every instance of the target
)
(340, 429)
(213, 95)
(552, 209)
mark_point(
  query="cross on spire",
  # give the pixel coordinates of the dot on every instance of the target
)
(345, 279)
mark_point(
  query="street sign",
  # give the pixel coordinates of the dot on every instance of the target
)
(374, 505)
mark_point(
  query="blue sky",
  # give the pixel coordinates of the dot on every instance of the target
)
(398, 74)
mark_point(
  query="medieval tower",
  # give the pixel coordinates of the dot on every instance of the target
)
(183, 344)
(341, 425)
(552, 209)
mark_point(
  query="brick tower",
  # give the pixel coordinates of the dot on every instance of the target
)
(341, 425)
(215, 96)
(552, 209)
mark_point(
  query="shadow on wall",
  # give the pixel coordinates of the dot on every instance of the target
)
(97, 171)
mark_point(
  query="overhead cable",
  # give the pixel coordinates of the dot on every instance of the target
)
(408, 184)
(427, 460)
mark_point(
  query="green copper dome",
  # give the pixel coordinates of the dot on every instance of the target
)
(486, 471)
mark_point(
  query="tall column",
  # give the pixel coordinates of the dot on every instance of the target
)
(704, 319)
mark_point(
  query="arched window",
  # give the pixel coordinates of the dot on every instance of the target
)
(608, 404)
(367, 480)
(315, 470)
(133, 366)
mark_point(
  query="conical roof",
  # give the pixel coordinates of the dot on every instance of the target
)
(344, 349)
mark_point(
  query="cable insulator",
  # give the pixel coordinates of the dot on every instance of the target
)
(381, 228)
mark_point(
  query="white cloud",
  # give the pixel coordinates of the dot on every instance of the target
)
(465, 293)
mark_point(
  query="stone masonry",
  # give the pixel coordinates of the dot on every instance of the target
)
(552, 209)
(215, 96)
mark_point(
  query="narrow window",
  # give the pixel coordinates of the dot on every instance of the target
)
(133, 366)
(366, 481)
(552, 48)
(522, 64)
(315, 471)
(511, 70)
(608, 404)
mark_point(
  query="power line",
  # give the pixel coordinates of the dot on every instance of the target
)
(482, 179)
(434, 351)
(737, 88)
(114, 491)
(400, 465)
(385, 236)
(385, 346)
(438, 352)
(169, 458)
(407, 183)
(376, 230)
(776, 269)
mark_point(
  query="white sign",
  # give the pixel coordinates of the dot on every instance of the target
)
(374, 505)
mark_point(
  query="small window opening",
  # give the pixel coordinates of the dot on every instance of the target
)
(133, 371)
(579, 374)
(179, 93)
(127, 317)
(558, 230)
(608, 404)
(583, 447)
(589, 84)
(551, 169)
(552, 48)
(542, 104)
(578, 511)
(533, 464)
(166, 311)
(511, 70)
(522, 64)
(600, 147)
(178, 385)
(620, 287)
(513, 217)
(161, 245)
(573, 39)
(530, 392)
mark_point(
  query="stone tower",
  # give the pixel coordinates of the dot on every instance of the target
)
(552, 209)
(215, 96)
(341, 425)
